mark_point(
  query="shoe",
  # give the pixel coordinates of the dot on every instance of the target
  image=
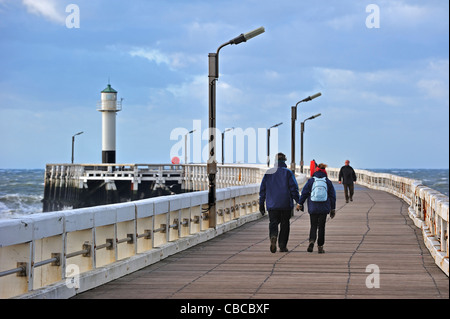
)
(284, 250)
(346, 200)
(273, 244)
(351, 199)
(320, 250)
(310, 247)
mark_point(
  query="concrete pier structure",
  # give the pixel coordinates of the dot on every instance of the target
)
(69, 186)
(85, 185)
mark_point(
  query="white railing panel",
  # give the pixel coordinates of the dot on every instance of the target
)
(429, 209)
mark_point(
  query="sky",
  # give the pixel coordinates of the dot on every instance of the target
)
(382, 68)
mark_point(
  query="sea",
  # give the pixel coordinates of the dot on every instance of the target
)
(22, 190)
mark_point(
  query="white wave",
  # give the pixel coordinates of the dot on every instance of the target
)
(20, 204)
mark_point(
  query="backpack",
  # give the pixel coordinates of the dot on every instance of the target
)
(319, 191)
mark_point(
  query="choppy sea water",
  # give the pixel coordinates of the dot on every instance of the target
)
(436, 179)
(22, 190)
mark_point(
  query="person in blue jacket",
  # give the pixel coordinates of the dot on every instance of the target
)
(278, 190)
(318, 210)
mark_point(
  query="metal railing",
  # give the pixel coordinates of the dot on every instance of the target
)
(195, 176)
(428, 208)
(112, 171)
(41, 250)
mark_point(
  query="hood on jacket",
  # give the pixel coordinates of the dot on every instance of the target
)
(320, 173)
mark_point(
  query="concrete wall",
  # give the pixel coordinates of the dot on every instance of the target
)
(59, 254)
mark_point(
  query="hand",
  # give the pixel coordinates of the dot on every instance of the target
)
(300, 207)
(262, 209)
(339, 182)
(332, 213)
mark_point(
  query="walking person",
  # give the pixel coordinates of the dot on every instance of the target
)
(278, 190)
(348, 176)
(321, 196)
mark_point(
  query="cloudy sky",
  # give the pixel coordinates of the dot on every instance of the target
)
(382, 68)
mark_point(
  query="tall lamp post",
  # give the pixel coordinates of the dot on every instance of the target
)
(73, 142)
(268, 142)
(293, 119)
(213, 76)
(185, 146)
(223, 144)
(302, 129)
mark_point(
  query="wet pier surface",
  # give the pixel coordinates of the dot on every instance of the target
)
(372, 250)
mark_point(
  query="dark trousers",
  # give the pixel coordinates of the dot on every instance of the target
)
(317, 228)
(349, 188)
(280, 217)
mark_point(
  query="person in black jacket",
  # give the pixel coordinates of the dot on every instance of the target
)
(347, 177)
(277, 192)
(318, 210)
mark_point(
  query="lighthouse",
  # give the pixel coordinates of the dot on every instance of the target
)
(109, 106)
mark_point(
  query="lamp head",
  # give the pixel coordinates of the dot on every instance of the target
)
(243, 37)
(312, 97)
(275, 125)
(254, 33)
(312, 117)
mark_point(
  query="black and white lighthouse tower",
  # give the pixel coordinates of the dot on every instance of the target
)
(109, 106)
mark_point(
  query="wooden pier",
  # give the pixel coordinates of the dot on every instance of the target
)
(371, 241)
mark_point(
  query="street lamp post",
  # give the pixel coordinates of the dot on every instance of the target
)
(213, 76)
(268, 142)
(185, 146)
(73, 142)
(302, 129)
(223, 144)
(293, 119)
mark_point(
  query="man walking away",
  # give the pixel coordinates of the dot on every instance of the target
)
(347, 177)
(321, 196)
(278, 190)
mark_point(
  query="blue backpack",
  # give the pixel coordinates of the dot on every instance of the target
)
(319, 191)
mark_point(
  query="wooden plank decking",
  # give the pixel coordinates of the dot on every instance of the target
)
(374, 229)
